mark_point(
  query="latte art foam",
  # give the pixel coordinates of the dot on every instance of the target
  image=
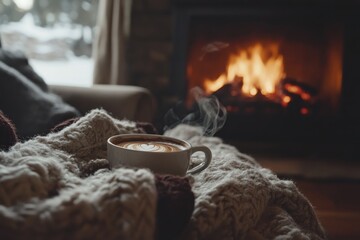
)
(151, 146)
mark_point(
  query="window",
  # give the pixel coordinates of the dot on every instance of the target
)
(56, 36)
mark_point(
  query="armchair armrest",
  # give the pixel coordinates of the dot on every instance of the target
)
(130, 102)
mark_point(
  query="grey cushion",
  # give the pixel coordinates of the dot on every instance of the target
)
(32, 109)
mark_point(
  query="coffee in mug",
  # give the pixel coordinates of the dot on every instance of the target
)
(151, 146)
(160, 154)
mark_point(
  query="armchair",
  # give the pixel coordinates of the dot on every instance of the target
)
(130, 102)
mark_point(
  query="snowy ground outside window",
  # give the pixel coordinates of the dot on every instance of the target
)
(71, 72)
(60, 50)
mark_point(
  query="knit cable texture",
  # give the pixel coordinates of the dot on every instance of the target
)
(236, 198)
(44, 193)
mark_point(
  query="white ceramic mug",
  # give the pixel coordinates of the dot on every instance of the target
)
(160, 154)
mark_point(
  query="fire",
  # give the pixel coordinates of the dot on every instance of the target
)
(257, 73)
(297, 90)
(286, 100)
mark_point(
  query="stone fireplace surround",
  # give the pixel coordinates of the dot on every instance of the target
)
(157, 44)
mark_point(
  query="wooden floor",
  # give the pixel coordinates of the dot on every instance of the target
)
(337, 204)
(332, 188)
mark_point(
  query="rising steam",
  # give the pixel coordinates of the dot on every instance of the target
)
(203, 111)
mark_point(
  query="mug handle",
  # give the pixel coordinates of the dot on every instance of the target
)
(205, 163)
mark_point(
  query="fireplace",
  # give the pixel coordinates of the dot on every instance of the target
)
(285, 73)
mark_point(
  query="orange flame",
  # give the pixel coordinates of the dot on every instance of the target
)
(258, 75)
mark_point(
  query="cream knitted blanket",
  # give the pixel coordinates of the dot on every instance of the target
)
(45, 192)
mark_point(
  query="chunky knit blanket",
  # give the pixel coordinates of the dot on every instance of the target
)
(56, 187)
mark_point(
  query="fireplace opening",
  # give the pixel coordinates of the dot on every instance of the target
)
(285, 73)
(274, 72)
(295, 64)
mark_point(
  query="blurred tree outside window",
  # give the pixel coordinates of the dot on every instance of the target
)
(56, 36)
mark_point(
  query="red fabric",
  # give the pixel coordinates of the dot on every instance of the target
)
(174, 206)
(64, 124)
(8, 135)
(147, 127)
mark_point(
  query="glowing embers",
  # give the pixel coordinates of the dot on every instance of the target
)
(255, 80)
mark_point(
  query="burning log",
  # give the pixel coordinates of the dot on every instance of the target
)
(294, 88)
(299, 97)
(232, 88)
(293, 97)
(234, 100)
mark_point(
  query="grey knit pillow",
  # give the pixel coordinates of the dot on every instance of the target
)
(33, 110)
(18, 60)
